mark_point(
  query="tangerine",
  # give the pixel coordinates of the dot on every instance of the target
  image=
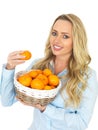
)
(39, 71)
(37, 84)
(53, 80)
(27, 55)
(48, 87)
(25, 80)
(33, 73)
(43, 78)
(47, 72)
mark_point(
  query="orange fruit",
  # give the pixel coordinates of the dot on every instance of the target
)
(27, 55)
(37, 84)
(33, 73)
(47, 72)
(39, 71)
(43, 78)
(48, 87)
(53, 80)
(25, 80)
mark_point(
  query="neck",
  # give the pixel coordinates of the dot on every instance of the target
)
(60, 63)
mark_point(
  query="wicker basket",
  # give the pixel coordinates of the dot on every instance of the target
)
(34, 96)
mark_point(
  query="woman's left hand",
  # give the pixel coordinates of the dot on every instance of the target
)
(40, 107)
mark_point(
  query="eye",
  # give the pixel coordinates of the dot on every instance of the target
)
(54, 33)
(65, 36)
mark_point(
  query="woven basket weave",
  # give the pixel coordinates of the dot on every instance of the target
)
(34, 96)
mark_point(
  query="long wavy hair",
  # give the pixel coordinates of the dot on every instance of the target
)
(78, 63)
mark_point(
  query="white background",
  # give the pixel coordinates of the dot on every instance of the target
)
(25, 24)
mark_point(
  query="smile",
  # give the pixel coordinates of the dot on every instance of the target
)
(57, 47)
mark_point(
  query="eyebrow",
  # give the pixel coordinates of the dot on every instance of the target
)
(61, 32)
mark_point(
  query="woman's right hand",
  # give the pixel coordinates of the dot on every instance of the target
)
(14, 59)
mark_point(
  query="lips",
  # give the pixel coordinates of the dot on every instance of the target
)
(57, 48)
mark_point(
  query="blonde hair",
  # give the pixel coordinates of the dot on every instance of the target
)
(78, 63)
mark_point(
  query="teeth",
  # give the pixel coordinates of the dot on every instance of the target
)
(58, 47)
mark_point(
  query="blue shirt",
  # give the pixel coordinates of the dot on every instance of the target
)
(56, 116)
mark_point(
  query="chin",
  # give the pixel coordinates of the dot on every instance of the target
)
(56, 54)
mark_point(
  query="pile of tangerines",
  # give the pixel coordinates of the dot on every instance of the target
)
(39, 79)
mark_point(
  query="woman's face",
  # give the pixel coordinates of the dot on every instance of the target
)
(61, 38)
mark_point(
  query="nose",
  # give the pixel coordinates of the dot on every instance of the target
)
(57, 39)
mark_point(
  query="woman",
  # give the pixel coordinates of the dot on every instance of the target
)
(67, 56)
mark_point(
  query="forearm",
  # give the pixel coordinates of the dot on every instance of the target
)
(7, 87)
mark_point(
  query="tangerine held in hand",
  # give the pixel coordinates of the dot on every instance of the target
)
(27, 55)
